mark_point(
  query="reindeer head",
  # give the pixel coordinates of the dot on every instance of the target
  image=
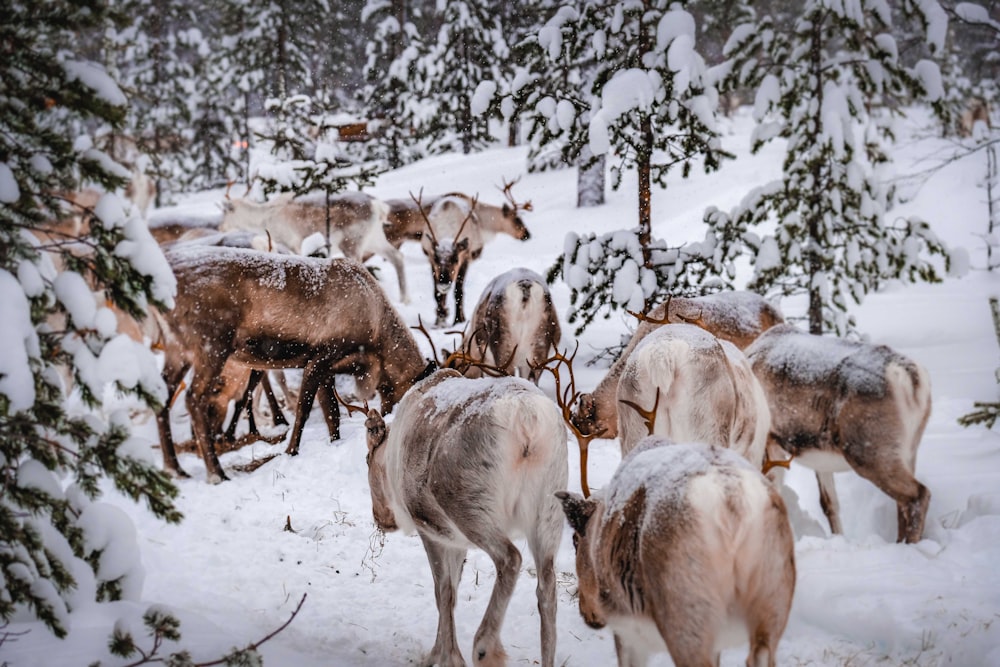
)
(446, 258)
(510, 212)
(377, 433)
(584, 516)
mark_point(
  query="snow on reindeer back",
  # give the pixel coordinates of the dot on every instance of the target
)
(476, 396)
(665, 469)
(737, 312)
(806, 358)
(200, 264)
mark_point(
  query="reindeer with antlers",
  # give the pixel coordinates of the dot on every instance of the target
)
(737, 317)
(406, 217)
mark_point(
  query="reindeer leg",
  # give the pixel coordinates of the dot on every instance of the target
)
(446, 566)
(828, 501)
(487, 648)
(395, 258)
(544, 544)
(331, 411)
(172, 378)
(272, 401)
(307, 392)
(245, 402)
(460, 293)
(205, 421)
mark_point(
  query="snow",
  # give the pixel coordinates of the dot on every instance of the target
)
(232, 574)
(19, 343)
(9, 190)
(96, 78)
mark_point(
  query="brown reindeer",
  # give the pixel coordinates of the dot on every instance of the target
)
(514, 323)
(686, 546)
(279, 311)
(474, 463)
(840, 405)
(405, 220)
(701, 389)
(354, 223)
(738, 317)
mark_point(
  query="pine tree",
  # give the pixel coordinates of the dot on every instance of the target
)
(469, 47)
(819, 86)
(651, 105)
(390, 96)
(154, 59)
(54, 458)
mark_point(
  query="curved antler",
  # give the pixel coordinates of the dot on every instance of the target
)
(648, 416)
(505, 189)
(565, 398)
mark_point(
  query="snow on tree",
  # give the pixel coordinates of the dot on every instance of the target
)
(470, 45)
(154, 60)
(652, 108)
(390, 96)
(59, 546)
(830, 85)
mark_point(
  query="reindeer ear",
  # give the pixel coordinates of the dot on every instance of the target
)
(377, 430)
(578, 510)
(463, 244)
(506, 211)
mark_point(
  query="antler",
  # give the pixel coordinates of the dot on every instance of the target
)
(351, 408)
(505, 189)
(472, 210)
(648, 416)
(565, 398)
(457, 357)
(644, 317)
(420, 207)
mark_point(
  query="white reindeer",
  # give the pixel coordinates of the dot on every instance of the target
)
(353, 222)
(514, 325)
(838, 405)
(700, 389)
(474, 463)
(737, 317)
(687, 545)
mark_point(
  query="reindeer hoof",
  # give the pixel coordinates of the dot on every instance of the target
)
(292, 452)
(217, 478)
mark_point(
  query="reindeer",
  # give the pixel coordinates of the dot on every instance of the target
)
(354, 222)
(279, 311)
(473, 463)
(514, 323)
(738, 317)
(838, 405)
(450, 244)
(406, 216)
(687, 543)
(701, 389)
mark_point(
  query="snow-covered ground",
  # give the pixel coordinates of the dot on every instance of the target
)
(232, 573)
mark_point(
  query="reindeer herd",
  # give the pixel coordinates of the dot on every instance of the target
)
(687, 546)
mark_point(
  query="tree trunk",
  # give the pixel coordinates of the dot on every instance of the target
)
(645, 190)
(814, 213)
(590, 179)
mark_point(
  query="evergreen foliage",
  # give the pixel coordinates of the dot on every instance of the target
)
(55, 461)
(830, 85)
(390, 96)
(469, 47)
(649, 102)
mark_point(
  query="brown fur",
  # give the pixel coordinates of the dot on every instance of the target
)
(865, 405)
(685, 540)
(514, 324)
(738, 317)
(276, 311)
